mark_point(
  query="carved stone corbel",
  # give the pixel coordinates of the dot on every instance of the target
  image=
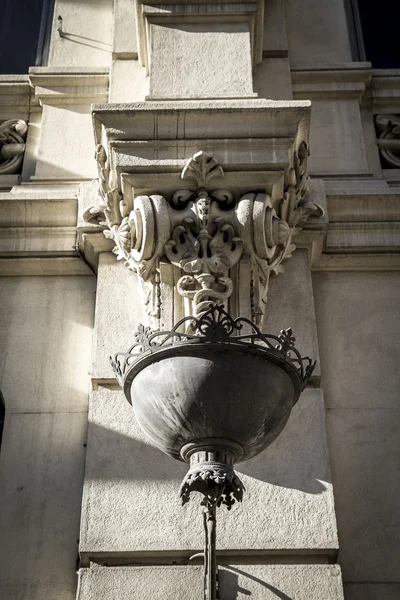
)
(204, 234)
(388, 130)
(12, 146)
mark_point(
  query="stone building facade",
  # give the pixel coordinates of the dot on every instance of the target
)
(302, 140)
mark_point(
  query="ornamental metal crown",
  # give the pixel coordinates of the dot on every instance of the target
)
(214, 326)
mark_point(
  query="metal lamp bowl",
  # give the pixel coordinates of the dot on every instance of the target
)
(213, 387)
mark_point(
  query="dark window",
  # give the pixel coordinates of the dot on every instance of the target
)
(374, 32)
(25, 27)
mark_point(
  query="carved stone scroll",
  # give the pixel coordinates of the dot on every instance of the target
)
(12, 146)
(204, 233)
(388, 130)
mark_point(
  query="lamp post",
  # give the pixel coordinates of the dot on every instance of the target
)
(212, 392)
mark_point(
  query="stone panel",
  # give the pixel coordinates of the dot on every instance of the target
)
(46, 332)
(317, 32)
(88, 34)
(337, 138)
(183, 71)
(358, 316)
(41, 472)
(261, 582)
(119, 310)
(60, 125)
(364, 445)
(131, 502)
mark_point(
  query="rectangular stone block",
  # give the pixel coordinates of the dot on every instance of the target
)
(323, 25)
(261, 582)
(269, 582)
(89, 28)
(46, 332)
(184, 72)
(41, 472)
(337, 138)
(358, 317)
(119, 310)
(131, 503)
(59, 128)
(364, 446)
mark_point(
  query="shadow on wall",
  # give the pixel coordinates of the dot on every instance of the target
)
(232, 588)
(296, 460)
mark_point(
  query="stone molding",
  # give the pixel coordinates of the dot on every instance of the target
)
(328, 83)
(14, 97)
(69, 85)
(385, 91)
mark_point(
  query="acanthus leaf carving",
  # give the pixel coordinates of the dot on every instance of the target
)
(12, 145)
(205, 233)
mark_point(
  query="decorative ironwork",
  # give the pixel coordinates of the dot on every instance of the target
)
(218, 483)
(214, 326)
(212, 455)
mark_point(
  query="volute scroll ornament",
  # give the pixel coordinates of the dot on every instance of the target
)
(12, 145)
(204, 233)
(388, 130)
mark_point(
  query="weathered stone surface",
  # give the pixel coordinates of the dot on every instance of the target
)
(338, 121)
(46, 331)
(184, 72)
(41, 472)
(317, 32)
(141, 583)
(118, 313)
(268, 582)
(290, 304)
(88, 34)
(131, 499)
(364, 446)
(261, 582)
(372, 591)
(357, 317)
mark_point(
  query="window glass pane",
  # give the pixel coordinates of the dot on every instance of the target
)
(19, 34)
(380, 27)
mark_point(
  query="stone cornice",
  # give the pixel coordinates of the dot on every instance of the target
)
(69, 85)
(38, 233)
(385, 91)
(340, 81)
(14, 97)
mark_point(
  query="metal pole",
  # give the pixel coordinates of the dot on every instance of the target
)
(210, 558)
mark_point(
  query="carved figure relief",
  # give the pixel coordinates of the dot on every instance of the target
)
(388, 130)
(12, 146)
(204, 234)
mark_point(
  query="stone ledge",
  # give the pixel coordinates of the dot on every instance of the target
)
(261, 582)
(358, 262)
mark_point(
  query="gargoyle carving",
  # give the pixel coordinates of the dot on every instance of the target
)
(204, 233)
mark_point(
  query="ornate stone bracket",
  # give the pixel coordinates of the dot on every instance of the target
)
(204, 234)
(12, 145)
(388, 129)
